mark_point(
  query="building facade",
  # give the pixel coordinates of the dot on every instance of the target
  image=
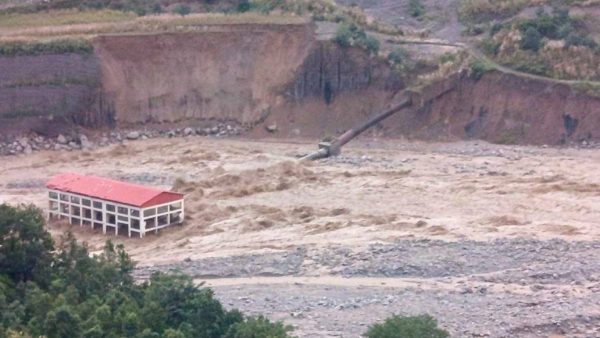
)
(113, 206)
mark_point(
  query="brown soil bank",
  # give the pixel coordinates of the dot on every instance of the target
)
(265, 74)
(502, 108)
(243, 73)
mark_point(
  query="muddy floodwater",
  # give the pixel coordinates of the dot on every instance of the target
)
(494, 241)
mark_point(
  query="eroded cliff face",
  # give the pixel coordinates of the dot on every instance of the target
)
(231, 72)
(502, 108)
(259, 75)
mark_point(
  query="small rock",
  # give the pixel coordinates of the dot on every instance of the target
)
(133, 135)
(61, 139)
(188, 131)
(24, 142)
(271, 128)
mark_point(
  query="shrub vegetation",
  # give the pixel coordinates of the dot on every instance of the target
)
(349, 35)
(58, 291)
(423, 326)
(416, 8)
(56, 46)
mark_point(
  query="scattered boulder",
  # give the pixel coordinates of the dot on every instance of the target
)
(188, 131)
(133, 135)
(271, 128)
(61, 139)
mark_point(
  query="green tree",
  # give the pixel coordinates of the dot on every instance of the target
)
(532, 39)
(423, 326)
(259, 327)
(371, 44)
(344, 36)
(25, 246)
(416, 8)
(182, 10)
(65, 291)
(62, 323)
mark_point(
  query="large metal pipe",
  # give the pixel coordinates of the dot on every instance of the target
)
(354, 132)
(334, 148)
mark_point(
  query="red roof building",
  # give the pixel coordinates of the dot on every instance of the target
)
(102, 202)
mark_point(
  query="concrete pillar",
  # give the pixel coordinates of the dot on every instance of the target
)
(104, 217)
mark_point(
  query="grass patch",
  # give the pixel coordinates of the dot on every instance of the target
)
(478, 11)
(587, 88)
(145, 24)
(58, 46)
(62, 17)
(479, 67)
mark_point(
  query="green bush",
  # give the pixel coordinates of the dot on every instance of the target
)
(398, 56)
(182, 10)
(259, 327)
(58, 46)
(479, 68)
(266, 6)
(63, 291)
(490, 46)
(580, 40)
(532, 39)
(243, 6)
(371, 44)
(416, 8)
(344, 36)
(423, 326)
(349, 35)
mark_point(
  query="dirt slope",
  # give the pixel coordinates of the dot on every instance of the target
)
(502, 108)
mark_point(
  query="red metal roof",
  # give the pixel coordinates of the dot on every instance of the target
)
(112, 190)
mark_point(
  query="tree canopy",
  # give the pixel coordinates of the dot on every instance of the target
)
(61, 290)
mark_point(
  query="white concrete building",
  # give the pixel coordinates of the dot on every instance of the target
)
(111, 205)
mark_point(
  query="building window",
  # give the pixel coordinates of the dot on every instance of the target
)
(64, 208)
(123, 210)
(110, 207)
(97, 205)
(176, 217)
(86, 202)
(53, 205)
(111, 219)
(98, 215)
(64, 197)
(75, 199)
(123, 218)
(75, 211)
(163, 209)
(135, 224)
(87, 213)
(53, 195)
(149, 212)
(175, 206)
(135, 213)
(150, 223)
(163, 220)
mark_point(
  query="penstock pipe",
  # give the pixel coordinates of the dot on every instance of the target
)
(335, 147)
(354, 132)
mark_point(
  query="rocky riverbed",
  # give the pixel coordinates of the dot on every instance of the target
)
(501, 288)
(77, 140)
